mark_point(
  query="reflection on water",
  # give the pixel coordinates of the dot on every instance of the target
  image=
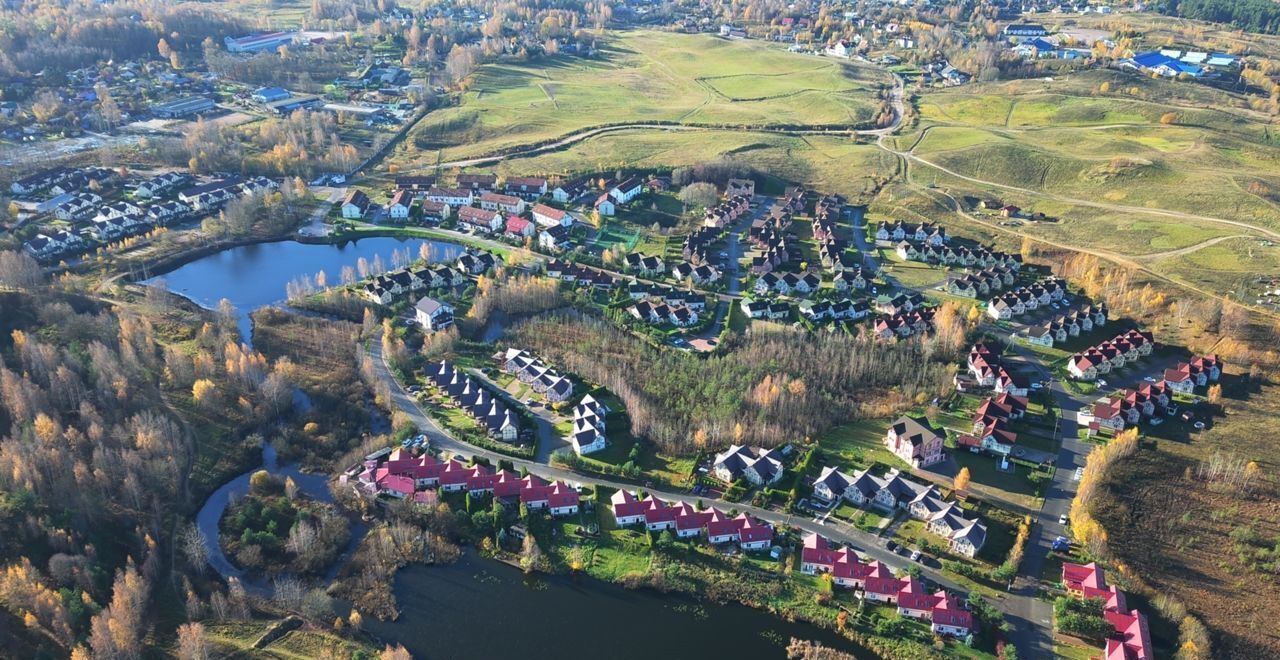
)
(480, 608)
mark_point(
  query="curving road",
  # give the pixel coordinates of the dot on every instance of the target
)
(865, 543)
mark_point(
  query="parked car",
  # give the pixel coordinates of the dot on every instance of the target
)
(1101, 383)
(915, 555)
(1062, 519)
(891, 545)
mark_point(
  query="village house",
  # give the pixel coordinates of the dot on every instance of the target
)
(540, 377)
(1200, 371)
(416, 183)
(604, 206)
(915, 441)
(403, 475)
(894, 492)
(571, 191)
(627, 190)
(945, 612)
(433, 211)
(645, 264)
(505, 203)
(554, 239)
(159, 184)
(400, 205)
(757, 465)
(477, 182)
(475, 262)
(51, 245)
(740, 187)
(518, 228)
(679, 316)
(687, 521)
(76, 206)
(528, 187)
(1112, 354)
(433, 314)
(356, 205)
(547, 216)
(480, 220)
(1130, 638)
(454, 197)
(589, 428)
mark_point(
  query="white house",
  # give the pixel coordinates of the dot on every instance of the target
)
(433, 314)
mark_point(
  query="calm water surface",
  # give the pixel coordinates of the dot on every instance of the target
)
(480, 608)
(254, 276)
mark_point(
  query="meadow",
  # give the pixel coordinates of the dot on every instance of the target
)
(1094, 151)
(642, 76)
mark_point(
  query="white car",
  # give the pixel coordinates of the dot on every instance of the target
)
(1037, 386)
(1062, 519)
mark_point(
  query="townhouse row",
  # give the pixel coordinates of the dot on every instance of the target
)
(945, 612)
(1130, 637)
(474, 398)
(1024, 299)
(986, 368)
(1062, 327)
(685, 521)
(404, 475)
(894, 492)
(1115, 353)
(992, 422)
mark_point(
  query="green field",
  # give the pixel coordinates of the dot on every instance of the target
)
(650, 76)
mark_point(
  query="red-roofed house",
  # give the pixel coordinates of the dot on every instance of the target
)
(518, 227)
(753, 534)
(1131, 639)
(548, 216)
(880, 584)
(563, 499)
(1084, 581)
(913, 600)
(657, 515)
(816, 555)
(627, 510)
(949, 616)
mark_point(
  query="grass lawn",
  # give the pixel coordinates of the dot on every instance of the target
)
(985, 476)
(912, 273)
(858, 445)
(1071, 652)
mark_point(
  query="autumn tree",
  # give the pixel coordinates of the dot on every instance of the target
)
(191, 642)
(961, 481)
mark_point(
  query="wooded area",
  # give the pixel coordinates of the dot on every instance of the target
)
(765, 388)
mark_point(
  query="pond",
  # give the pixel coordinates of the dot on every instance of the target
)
(481, 608)
(254, 276)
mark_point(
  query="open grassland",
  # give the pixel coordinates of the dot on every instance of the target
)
(833, 164)
(1210, 544)
(1092, 152)
(650, 76)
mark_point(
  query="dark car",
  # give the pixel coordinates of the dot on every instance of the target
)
(891, 545)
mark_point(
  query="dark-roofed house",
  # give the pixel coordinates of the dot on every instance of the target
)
(758, 465)
(627, 190)
(915, 441)
(356, 205)
(433, 314)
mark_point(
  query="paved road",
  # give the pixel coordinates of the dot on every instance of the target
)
(1033, 631)
(866, 544)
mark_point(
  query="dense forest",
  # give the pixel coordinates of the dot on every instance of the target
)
(768, 388)
(1249, 15)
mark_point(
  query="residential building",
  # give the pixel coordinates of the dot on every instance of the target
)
(433, 314)
(915, 441)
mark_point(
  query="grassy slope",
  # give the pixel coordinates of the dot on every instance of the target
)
(1068, 138)
(649, 76)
